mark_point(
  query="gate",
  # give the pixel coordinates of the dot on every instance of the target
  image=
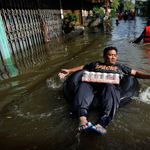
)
(22, 33)
(23, 26)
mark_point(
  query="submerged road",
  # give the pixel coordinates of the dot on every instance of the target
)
(34, 113)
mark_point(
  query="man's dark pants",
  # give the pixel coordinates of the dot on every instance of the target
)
(109, 100)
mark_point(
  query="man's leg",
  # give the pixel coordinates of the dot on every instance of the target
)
(108, 104)
(83, 99)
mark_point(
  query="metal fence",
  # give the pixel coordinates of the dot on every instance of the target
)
(22, 21)
(23, 30)
(24, 27)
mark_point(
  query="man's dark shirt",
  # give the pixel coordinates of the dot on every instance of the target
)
(98, 66)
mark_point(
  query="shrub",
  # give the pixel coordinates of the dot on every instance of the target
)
(70, 19)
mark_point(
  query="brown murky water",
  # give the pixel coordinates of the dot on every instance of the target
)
(34, 113)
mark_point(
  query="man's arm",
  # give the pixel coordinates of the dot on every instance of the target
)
(65, 72)
(140, 37)
(140, 74)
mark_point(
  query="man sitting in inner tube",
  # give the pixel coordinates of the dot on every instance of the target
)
(109, 94)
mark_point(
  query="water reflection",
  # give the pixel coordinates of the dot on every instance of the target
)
(147, 52)
(128, 29)
(29, 62)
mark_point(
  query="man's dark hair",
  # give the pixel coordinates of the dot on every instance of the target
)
(108, 49)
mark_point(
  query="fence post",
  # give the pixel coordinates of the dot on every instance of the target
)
(3, 42)
(5, 53)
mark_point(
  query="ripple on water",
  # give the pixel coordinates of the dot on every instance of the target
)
(145, 96)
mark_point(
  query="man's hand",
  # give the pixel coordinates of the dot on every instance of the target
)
(63, 73)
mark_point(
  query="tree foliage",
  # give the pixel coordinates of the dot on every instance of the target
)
(70, 19)
(98, 11)
(144, 9)
(115, 5)
(127, 6)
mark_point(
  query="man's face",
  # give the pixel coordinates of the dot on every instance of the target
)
(110, 58)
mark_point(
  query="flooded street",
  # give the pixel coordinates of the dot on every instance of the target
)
(35, 115)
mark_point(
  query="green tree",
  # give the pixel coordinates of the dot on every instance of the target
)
(121, 6)
(98, 12)
(144, 9)
(115, 5)
(127, 6)
(70, 19)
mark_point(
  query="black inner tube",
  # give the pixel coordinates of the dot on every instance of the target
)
(129, 87)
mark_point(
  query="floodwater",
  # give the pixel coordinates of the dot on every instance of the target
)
(34, 113)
